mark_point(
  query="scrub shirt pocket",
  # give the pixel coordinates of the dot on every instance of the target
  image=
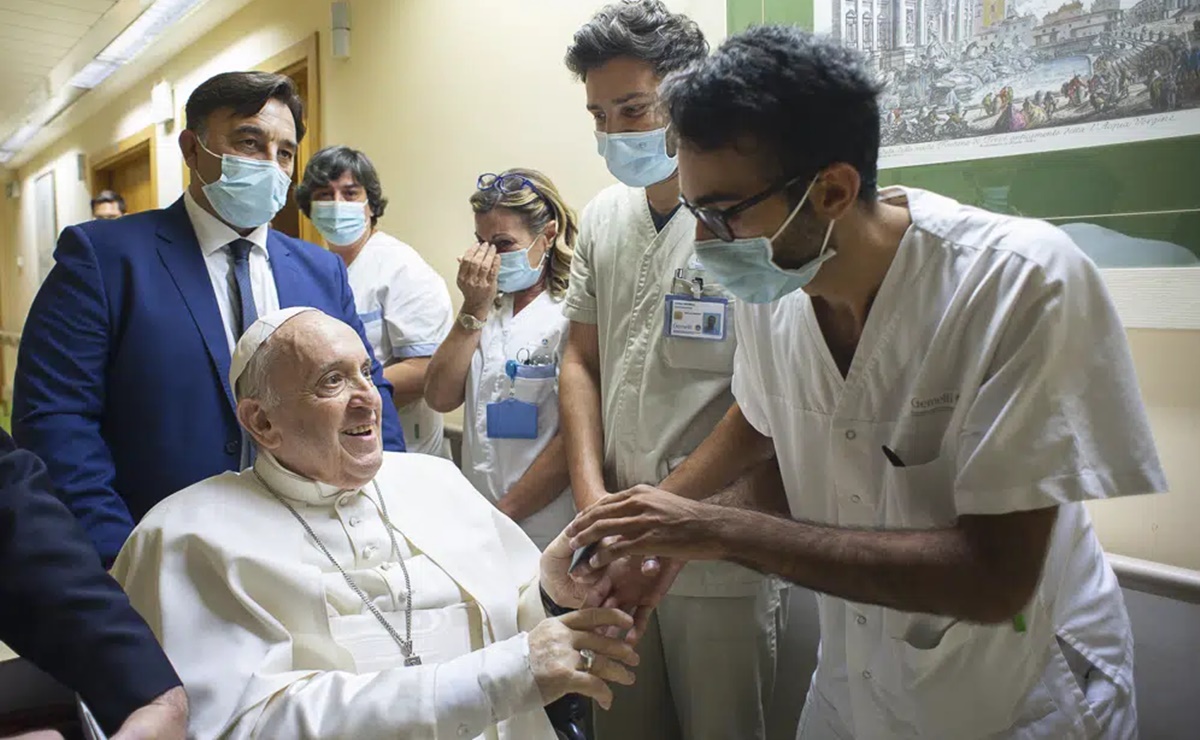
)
(535, 384)
(686, 353)
(919, 496)
(967, 684)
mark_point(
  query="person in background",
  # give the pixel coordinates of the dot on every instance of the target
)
(944, 388)
(335, 590)
(122, 382)
(402, 302)
(507, 349)
(640, 392)
(108, 205)
(62, 612)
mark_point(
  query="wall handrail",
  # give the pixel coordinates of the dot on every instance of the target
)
(10, 338)
(1160, 579)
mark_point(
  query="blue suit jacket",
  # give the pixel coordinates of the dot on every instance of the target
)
(60, 610)
(122, 382)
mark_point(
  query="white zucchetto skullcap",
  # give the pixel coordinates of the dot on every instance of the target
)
(259, 332)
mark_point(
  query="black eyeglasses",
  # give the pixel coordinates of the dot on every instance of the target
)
(716, 220)
(504, 183)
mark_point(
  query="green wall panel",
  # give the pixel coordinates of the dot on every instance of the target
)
(799, 12)
(1146, 178)
(741, 14)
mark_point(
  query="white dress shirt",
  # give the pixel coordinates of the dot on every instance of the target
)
(994, 366)
(272, 642)
(215, 237)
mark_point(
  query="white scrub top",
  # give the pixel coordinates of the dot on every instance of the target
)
(994, 365)
(494, 465)
(405, 309)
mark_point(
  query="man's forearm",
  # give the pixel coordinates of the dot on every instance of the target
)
(583, 431)
(943, 571)
(732, 450)
(408, 380)
(761, 489)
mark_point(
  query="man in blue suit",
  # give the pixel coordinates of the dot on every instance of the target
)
(122, 376)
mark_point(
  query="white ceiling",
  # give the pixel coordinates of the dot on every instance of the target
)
(35, 35)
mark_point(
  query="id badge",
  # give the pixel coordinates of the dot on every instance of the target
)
(689, 317)
(512, 419)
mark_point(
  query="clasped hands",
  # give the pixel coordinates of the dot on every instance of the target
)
(643, 538)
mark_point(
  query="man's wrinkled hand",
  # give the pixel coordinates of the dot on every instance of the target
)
(629, 585)
(165, 718)
(567, 589)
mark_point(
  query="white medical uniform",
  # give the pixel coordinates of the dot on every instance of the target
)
(707, 667)
(494, 465)
(994, 365)
(405, 309)
(271, 642)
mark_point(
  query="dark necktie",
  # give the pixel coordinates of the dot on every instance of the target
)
(242, 300)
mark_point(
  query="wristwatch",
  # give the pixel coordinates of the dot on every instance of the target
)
(469, 322)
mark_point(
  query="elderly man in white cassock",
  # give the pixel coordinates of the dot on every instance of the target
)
(333, 590)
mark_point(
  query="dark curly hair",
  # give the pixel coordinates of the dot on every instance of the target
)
(803, 101)
(642, 29)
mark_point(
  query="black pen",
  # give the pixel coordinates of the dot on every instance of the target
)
(892, 457)
(581, 555)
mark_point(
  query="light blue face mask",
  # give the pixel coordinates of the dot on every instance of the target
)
(250, 191)
(638, 158)
(341, 222)
(746, 268)
(516, 274)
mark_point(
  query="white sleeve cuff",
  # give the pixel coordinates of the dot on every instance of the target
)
(487, 686)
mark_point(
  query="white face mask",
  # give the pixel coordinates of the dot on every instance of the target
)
(746, 267)
(249, 192)
(341, 222)
(638, 159)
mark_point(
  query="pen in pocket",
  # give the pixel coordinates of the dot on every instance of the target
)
(892, 457)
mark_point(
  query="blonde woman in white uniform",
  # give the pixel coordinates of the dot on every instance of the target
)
(402, 302)
(501, 358)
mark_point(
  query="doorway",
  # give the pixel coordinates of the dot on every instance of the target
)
(129, 170)
(300, 64)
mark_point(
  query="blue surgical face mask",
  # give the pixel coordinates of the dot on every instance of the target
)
(746, 268)
(516, 274)
(638, 158)
(250, 191)
(341, 222)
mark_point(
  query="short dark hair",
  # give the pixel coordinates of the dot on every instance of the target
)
(331, 163)
(642, 29)
(246, 93)
(109, 196)
(804, 101)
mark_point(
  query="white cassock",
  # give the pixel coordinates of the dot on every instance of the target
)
(271, 641)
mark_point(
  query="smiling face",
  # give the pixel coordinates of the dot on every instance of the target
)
(324, 418)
